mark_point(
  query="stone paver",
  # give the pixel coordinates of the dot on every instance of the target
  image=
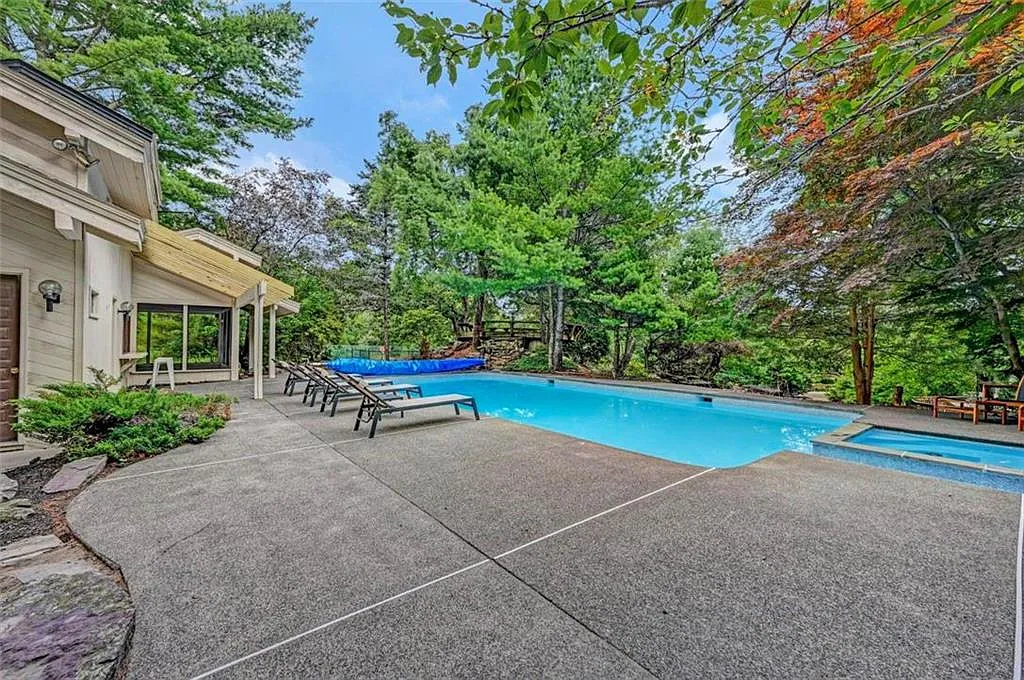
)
(8, 487)
(74, 474)
(27, 547)
(86, 612)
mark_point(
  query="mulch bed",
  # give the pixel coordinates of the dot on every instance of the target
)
(48, 518)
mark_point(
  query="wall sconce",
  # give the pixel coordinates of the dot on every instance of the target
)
(50, 290)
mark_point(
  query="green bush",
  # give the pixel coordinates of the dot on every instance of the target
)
(536, 361)
(88, 420)
(790, 366)
(635, 369)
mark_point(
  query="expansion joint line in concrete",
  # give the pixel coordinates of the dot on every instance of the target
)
(453, 574)
(320, 444)
(494, 559)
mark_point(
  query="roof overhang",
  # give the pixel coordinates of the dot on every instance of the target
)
(111, 222)
(168, 250)
(127, 150)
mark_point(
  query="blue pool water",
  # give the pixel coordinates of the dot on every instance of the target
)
(944, 447)
(679, 427)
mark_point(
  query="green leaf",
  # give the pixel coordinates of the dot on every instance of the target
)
(611, 30)
(696, 11)
(434, 74)
(760, 8)
(631, 53)
(619, 43)
(997, 85)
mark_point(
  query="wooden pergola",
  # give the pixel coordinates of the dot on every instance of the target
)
(171, 252)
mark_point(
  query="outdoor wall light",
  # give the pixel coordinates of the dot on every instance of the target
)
(50, 290)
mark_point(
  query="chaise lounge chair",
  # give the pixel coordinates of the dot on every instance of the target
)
(295, 376)
(338, 390)
(374, 406)
(316, 374)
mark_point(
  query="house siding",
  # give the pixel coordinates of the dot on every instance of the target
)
(29, 241)
(108, 275)
(150, 284)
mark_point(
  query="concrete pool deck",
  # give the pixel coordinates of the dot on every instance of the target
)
(288, 546)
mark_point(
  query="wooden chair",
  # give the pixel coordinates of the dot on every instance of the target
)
(1004, 407)
(962, 406)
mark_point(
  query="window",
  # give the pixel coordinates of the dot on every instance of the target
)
(162, 331)
(208, 333)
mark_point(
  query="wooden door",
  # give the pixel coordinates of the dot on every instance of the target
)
(10, 351)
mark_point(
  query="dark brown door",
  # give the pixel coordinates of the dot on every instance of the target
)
(10, 351)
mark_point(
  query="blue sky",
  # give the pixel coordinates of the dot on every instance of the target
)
(353, 72)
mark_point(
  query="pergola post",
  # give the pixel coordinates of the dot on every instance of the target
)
(272, 353)
(256, 345)
(236, 312)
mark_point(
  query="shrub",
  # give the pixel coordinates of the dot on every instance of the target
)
(536, 361)
(791, 367)
(88, 420)
(635, 369)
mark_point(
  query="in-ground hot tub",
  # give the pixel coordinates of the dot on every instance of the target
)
(997, 466)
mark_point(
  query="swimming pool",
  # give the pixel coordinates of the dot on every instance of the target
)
(685, 428)
(981, 453)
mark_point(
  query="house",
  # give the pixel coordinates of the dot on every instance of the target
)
(88, 279)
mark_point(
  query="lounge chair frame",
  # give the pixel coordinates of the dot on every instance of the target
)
(373, 407)
(295, 376)
(338, 391)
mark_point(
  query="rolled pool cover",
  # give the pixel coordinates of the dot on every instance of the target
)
(407, 367)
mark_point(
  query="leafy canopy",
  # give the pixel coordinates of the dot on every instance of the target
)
(205, 75)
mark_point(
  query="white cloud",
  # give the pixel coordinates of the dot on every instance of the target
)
(339, 187)
(427, 105)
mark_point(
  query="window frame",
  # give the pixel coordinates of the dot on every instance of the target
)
(224, 348)
(184, 311)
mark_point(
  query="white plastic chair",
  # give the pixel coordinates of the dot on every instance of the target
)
(168, 364)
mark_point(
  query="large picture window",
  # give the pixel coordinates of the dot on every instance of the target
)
(208, 332)
(162, 331)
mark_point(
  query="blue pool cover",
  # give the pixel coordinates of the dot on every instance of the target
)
(376, 367)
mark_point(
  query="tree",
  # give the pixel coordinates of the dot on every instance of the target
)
(550, 196)
(282, 213)
(370, 234)
(319, 325)
(422, 327)
(700, 50)
(205, 75)
(939, 185)
(370, 231)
